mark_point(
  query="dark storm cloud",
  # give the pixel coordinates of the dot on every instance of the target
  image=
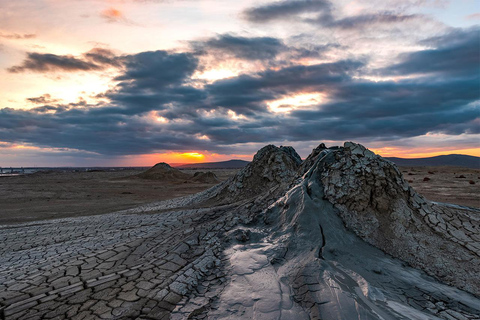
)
(152, 80)
(268, 50)
(157, 69)
(247, 94)
(363, 20)
(285, 9)
(258, 48)
(82, 129)
(456, 54)
(159, 84)
(96, 59)
(386, 99)
(44, 62)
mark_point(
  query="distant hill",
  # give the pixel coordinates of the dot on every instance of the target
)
(230, 164)
(459, 160)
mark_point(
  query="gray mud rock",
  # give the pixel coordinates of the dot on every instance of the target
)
(205, 177)
(379, 206)
(340, 235)
(271, 169)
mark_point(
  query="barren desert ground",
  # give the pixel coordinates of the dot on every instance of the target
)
(446, 184)
(50, 195)
(59, 195)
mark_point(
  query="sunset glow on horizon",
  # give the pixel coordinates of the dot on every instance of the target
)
(140, 82)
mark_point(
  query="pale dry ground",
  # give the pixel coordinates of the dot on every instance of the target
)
(54, 195)
(446, 184)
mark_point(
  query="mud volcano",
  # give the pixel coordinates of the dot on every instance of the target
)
(205, 177)
(163, 171)
(340, 235)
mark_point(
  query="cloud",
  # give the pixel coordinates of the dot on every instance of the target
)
(45, 62)
(156, 69)
(96, 59)
(43, 99)
(266, 50)
(257, 48)
(284, 9)
(362, 20)
(324, 10)
(17, 36)
(104, 57)
(156, 106)
(112, 15)
(154, 79)
(456, 53)
(473, 16)
(248, 93)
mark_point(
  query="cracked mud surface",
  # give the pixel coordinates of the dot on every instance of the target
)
(297, 250)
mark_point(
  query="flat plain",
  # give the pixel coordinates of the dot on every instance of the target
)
(455, 185)
(52, 195)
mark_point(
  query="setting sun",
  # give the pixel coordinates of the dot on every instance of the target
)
(193, 156)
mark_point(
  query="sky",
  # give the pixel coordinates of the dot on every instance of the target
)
(136, 82)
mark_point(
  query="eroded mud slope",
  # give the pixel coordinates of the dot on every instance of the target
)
(340, 235)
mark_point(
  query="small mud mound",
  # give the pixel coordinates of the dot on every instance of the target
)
(271, 169)
(163, 171)
(292, 153)
(205, 177)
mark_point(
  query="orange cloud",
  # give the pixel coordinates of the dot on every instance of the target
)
(112, 15)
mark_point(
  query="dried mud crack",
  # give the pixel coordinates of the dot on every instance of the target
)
(340, 235)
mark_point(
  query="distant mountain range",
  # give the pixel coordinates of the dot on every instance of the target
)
(458, 160)
(230, 164)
